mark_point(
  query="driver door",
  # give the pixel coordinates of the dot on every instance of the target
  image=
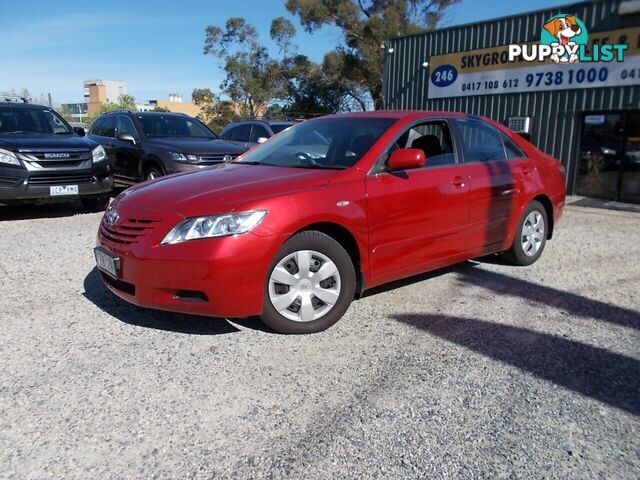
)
(418, 217)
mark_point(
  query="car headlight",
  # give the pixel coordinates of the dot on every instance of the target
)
(8, 157)
(607, 151)
(98, 154)
(184, 157)
(214, 226)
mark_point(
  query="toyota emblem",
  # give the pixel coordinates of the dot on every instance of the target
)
(112, 217)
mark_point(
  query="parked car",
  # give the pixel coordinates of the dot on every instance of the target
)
(148, 145)
(251, 132)
(294, 237)
(43, 159)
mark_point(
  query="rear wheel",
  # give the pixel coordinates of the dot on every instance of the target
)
(152, 172)
(310, 284)
(531, 236)
(98, 204)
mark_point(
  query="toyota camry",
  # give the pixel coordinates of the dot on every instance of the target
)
(297, 228)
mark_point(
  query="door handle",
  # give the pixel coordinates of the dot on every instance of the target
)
(457, 182)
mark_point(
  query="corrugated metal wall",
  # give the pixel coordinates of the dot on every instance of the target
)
(555, 115)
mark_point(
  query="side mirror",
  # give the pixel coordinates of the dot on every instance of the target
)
(262, 139)
(127, 137)
(406, 158)
(79, 131)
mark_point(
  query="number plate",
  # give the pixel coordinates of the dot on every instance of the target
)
(106, 262)
(63, 190)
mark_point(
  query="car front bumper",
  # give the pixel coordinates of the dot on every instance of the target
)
(19, 185)
(219, 277)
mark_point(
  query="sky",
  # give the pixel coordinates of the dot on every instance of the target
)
(155, 46)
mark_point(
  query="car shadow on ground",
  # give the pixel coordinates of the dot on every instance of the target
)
(574, 304)
(34, 212)
(97, 293)
(591, 371)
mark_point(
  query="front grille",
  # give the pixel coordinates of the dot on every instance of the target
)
(216, 158)
(58, 163)
(68, 155)
(51, 180)
(127, 232)
(125, 287)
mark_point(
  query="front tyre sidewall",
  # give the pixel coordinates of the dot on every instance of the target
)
(516, 254)
(312, 240)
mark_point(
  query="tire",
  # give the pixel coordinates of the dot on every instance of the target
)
(152, 172)
(322, 254)
(98, 204)
(530, 238)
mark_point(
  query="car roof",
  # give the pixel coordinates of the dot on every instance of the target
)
(398, 114)
(266, 122)
(23, 105)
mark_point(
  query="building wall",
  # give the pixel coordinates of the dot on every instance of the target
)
(178, 107)
(99, 92)
(555, 115)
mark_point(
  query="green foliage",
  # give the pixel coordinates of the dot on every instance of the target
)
(253, 78)
(365, 25)
(125, 102)
(215, 112)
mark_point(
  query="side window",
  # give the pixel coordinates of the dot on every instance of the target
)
(258, 132)
(109, 126)
(125, 126)
(97, 127)
(511, 149)
(241, 133)
(434, 139)
(482, 143)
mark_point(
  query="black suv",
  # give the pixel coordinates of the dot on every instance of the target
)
(43, 159)
(249, 132)
(147, 145)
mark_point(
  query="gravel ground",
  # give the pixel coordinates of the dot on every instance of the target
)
(477, 371)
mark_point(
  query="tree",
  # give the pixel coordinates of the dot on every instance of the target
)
(125, 102)
(253, 79)
(365, 25)
(215, 112)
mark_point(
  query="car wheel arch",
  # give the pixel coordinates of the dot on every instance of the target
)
(149, 161)
(548, 206)
(348, 241)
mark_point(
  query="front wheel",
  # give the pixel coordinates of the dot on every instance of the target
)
(153, 172)
(531, 236)
(310, 284)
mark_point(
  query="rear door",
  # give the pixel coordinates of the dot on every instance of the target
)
(500, 177)
(418, 217)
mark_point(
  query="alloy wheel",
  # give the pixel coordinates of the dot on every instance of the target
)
(304, 285)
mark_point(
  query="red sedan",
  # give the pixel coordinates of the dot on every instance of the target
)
(298, 227)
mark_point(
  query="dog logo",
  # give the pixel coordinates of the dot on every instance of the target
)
(112, 217)
(567, 32)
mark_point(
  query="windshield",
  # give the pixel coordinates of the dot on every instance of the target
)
(19, 120)
(334, 143)
(173, 126)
